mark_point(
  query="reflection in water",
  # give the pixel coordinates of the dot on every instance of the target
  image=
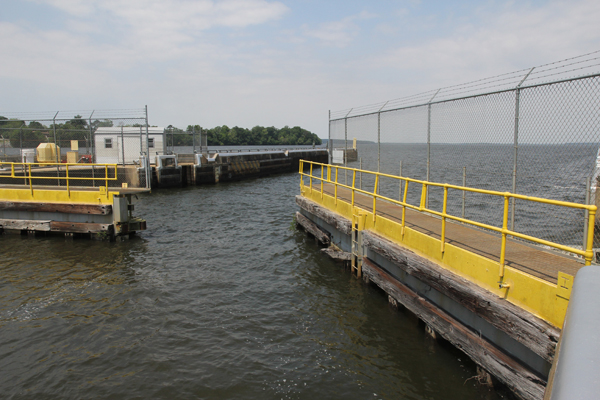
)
(218, 299)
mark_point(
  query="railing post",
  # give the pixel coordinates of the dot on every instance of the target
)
(335, 185)
(464, 192)
(322, 168)
(589, 249)
(106, 178)
(353, 185)
(310, 177)
(400, 183)
(503, 246)
(67, 176)
(360, 176)
(423, 204)
(404, 206)
(588, 182)
(30, 183)
(375, 197)
(444, 208)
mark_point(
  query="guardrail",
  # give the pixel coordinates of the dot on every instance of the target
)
(586, 253)
(27, 170)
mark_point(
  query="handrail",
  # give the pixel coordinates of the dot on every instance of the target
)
(587, 253)
(27, 173)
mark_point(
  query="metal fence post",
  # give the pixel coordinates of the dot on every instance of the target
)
(148, 169)
(516, 146)
(346, 149)
(329, 142)
(429, 143)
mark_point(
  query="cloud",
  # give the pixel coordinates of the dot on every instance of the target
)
(337, 33)
(513, 39)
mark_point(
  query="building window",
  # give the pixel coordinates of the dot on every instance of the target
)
(150, 143)
(108, 143)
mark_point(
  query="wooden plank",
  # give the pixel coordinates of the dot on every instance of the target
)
(524, 327)
(25, 225)
(79, 227)
(335, 220)
(313, 229)
(515, 376)
(93, 209)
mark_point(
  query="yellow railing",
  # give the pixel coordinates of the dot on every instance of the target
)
(586, 253)
(25, 171)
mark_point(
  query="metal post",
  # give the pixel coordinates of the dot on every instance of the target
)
(400, 183)
(379, 136)
(123, 145)
(360, 176)
(588, 183)
(429, 143)
(346, 149)
(148, 170)
(329, 142)
(516, 146)
(92, 141)
(464, 192)
(194, 140)
(56, 147)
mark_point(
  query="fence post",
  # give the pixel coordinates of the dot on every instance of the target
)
(56, 149)
(123, 146)
(429, 143)
(329, 142)
(148, 169)
(516, 146)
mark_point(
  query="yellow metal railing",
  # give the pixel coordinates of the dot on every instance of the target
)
(586, 253)
(27, 169)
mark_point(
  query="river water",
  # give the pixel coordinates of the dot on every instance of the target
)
(220, 298)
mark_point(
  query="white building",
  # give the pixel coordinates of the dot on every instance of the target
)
(118, 145)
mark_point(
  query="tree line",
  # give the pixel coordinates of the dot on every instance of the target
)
(33, 133)
(236, 136)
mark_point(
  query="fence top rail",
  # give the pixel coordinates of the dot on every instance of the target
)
(457, 98)
(590, 207)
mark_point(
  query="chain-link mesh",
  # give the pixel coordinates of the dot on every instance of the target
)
(516, 132)
(120, 137)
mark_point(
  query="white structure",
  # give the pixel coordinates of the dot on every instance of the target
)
(118, 145)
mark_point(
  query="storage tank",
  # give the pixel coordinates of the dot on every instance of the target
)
(46, 153)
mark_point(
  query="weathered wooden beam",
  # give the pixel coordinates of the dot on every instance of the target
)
(313, 229)
(70, 208)
(338, 255)
(522, 326)
(25, 225)
(515, 376)
(337, 221)
(79, 227)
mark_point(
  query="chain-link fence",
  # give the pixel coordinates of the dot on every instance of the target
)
(534, 132)
(119, 137)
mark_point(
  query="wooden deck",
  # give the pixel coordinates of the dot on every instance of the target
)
(539, 262)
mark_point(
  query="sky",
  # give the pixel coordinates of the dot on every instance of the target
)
(270, 63)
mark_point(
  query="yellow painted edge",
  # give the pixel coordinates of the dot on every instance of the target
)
(535, 295)
(57, 196)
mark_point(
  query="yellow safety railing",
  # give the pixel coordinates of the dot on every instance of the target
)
(586, 253)
(25, 171)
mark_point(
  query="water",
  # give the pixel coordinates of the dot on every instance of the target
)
(218, 299)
